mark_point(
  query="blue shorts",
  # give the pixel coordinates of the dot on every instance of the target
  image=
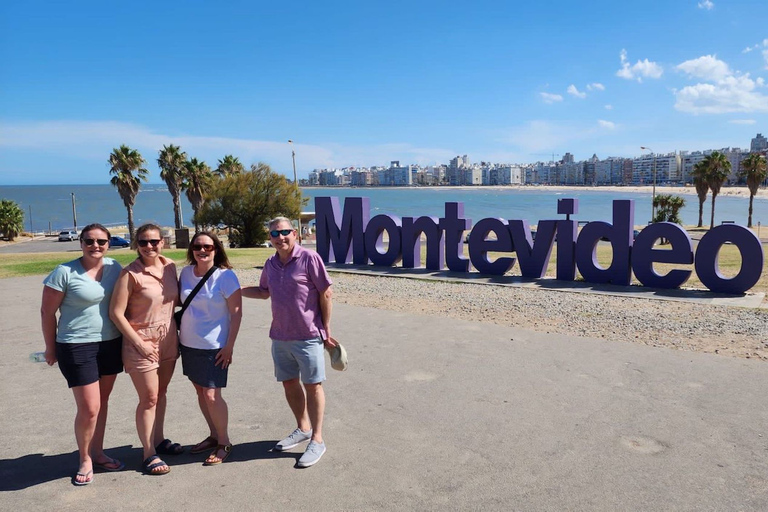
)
(199, 365)
(299, 359)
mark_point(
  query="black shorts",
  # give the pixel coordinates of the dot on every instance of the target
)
(84, 363)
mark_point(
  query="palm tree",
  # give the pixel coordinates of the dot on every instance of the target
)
(229, 165)
(11, 219)
(198, 179)
(668, 208)
(754, 169)
(702, 187)
(718, 169)
(171, 161)
(124, 162)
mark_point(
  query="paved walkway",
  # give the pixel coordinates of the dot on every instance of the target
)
(433, 414)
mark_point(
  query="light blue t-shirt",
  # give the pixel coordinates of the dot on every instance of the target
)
(84, 311)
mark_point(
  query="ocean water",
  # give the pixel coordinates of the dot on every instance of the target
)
(51, 205)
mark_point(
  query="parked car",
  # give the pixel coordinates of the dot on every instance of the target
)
(118, 241)
(67, 236)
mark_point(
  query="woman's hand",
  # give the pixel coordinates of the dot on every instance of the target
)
(50, 356)
(149, 350)
(224, 357)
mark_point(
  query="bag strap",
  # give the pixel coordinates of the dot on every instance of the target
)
(196, 289)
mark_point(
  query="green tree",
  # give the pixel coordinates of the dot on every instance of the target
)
(11, 219)
(702, 187)
(668, 208)
(198, 180)
(127, 168)
(718, 169)
(171, 160)
(754, 170)
(229, 165)
(246, 202)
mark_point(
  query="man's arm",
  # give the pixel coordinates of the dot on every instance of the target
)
(255, 292)
(326, 306)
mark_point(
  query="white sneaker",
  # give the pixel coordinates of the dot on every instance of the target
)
(294, 439)
(312, 455)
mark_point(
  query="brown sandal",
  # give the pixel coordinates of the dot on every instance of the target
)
(204, 445)
(213, 459)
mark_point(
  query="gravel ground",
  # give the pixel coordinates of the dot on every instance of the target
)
(727, 330)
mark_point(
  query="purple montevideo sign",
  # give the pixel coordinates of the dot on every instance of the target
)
(352, 235)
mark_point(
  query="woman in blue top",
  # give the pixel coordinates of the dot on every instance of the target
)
(85, 342)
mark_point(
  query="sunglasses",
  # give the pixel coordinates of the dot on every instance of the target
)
(203, 247)
(144, 243)
(90, 241)
(284, 232)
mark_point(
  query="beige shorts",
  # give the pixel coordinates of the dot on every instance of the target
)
(160, 335)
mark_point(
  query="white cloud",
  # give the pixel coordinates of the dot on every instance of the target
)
(742, 121)
(609, 107)
(573, 91)
(639, 70)
(706, 4)
(595, 86)
(735, 93)
(608, 125)
(550, 98)
(707, 67)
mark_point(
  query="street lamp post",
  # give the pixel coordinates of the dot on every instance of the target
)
(295, 184)
(74, 211)
(653, 201)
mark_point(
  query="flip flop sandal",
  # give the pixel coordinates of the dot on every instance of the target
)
(213, 458)
(84, 482)
(148, 466)
(204, 445)
(166, 447)
(110, 465)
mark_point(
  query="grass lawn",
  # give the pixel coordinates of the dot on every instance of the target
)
(15, 265)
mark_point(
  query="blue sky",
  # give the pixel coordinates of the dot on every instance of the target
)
(363, 83)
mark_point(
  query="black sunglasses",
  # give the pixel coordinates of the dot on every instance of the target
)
(144, 243)
(284, 232)
(90, 241)
(203, 247)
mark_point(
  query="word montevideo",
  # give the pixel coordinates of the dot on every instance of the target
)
(352, 234)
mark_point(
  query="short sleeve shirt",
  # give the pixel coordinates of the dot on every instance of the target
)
(294, 289)
(205, 323)
(84, 311)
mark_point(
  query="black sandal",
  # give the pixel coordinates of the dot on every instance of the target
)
(166, 447)
(149, 465)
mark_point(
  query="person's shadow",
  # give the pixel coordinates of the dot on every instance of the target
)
(37, 468)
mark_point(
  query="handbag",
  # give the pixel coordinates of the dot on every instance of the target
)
(177, 315)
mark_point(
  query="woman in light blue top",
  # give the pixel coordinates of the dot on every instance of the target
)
(85, 342)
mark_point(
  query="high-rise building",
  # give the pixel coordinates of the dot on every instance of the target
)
(758, 144)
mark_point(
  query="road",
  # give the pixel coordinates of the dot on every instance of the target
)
(44, 244)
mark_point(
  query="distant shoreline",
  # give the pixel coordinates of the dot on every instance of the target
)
(734, 191)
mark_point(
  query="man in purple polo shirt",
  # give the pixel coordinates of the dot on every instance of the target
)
(300, 288)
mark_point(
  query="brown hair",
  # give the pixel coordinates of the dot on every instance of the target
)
(143, 229)
(93, 226)
(219, 256)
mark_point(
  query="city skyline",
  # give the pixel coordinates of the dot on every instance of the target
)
(362, 84)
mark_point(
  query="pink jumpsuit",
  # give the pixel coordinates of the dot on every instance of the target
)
(150, 313)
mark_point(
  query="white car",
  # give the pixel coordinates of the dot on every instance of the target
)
(67, 236)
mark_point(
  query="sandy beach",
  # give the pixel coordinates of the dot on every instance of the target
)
(735, 191)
